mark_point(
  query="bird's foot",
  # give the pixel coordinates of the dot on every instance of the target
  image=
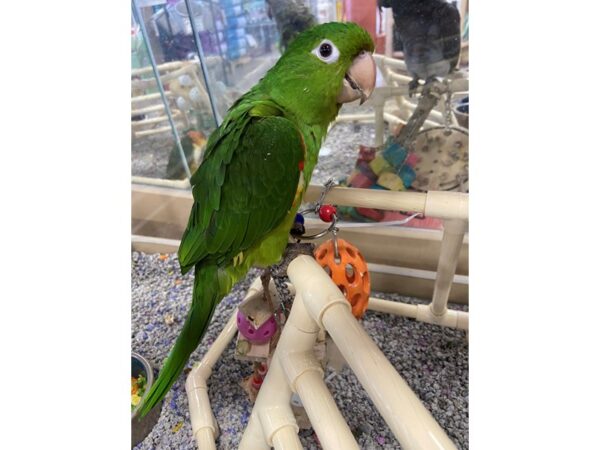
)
(265, 279)
(291, 252)
(432, 79)
(413, 85)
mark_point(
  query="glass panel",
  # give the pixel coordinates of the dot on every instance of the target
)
(169, 128)
(239, 40)
(419, 141)
(239, 43)
(151, 132)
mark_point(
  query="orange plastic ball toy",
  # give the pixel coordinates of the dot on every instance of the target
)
(350, 274)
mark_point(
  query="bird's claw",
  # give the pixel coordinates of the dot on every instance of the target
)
(291, 252)
(265, 278)
(413, 85)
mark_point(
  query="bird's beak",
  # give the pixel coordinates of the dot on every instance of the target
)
(359, 80)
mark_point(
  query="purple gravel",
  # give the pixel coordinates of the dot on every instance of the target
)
(432, 360)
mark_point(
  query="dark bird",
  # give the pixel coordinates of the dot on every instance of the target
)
(292, 17)
(430, 34)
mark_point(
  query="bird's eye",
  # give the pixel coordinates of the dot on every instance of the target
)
(326, 51)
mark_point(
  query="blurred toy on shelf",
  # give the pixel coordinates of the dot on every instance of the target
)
(391, 167)
(186, 95)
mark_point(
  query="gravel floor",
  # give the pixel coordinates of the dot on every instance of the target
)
(150, 155)
(339, 151)
(433, 361)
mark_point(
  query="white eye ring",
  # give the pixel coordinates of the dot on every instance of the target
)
(326, 51)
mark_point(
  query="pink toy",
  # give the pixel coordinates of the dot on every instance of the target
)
(259, 375)
(360, 180)
(366, 153)
(412, 159)
(258, 335)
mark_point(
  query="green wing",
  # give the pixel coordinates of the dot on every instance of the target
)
(244, 187)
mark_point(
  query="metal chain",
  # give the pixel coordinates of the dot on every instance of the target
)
(326, 188)
(285, 297)
(333, 229)
(280, 280)
(430, 96)
(448, 106)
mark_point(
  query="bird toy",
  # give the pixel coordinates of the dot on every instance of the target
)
(349, 272)
(341, 260)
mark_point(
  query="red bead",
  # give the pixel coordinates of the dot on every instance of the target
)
(326, 213)
(301, 166)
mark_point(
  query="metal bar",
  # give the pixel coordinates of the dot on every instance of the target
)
(202, 62)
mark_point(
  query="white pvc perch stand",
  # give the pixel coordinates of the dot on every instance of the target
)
(294, 368)
(320, 304)
(437, 311)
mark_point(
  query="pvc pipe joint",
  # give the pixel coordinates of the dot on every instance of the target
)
(202, 372)
(274, 418)
(328, 295)
(296, 363)
(201, 415)
(447, 205)
(451, 318)
(452, 239)
(423, 313)
(287, 439)
(205, 439)
(302, 321)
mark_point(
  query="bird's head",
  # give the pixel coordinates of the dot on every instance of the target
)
(325, 66)
(197, 137)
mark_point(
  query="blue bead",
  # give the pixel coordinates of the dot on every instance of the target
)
(408, 175)
(299, 218)
(395, 155)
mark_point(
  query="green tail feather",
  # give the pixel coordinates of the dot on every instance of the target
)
(204, 300)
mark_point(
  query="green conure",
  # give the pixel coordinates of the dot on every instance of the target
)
(256, 167)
